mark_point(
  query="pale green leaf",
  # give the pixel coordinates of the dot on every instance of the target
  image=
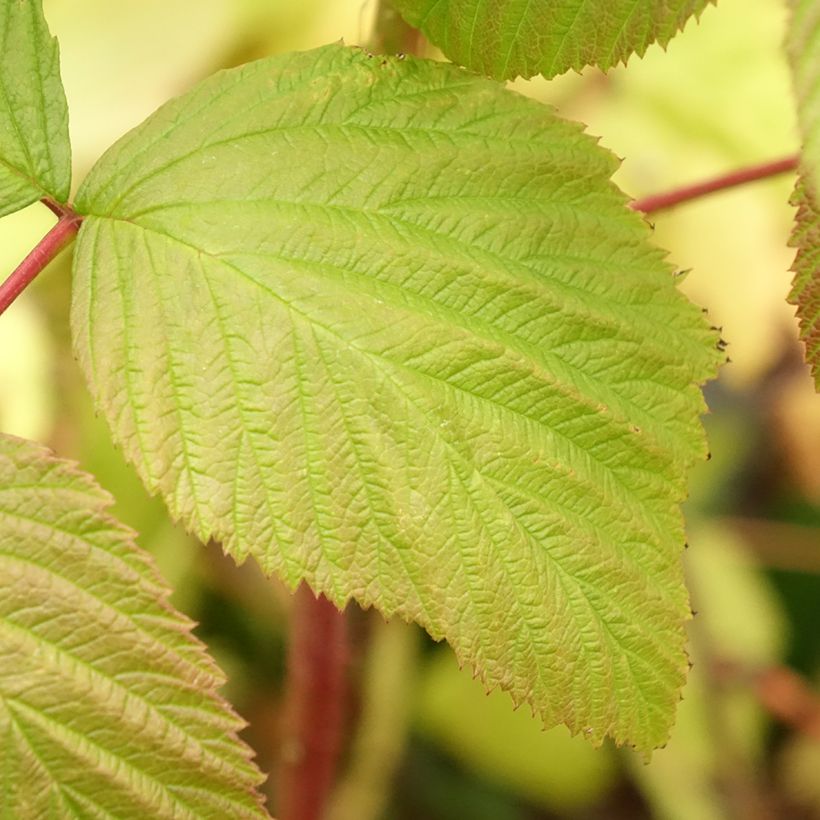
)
(35, 156)
(804, 50)
(108, 704)
(511, 38)
(389, 328)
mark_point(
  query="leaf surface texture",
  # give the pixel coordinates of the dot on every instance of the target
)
(508, 38)
(804, 51)
(35, 156)
(108, 704)
(389, 328)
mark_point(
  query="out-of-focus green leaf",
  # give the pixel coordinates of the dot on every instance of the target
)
(549, 768)
(804, 51)
(798, 764)
(389, 328)
(736, 604)
(719, 731)
(35, 155)
(108, 705)
(508, 38)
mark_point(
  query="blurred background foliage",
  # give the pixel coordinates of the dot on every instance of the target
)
(425, 740)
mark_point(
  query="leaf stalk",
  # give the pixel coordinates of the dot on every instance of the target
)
(61, 235)
(661, 202)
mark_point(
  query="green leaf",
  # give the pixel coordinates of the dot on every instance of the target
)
(108, 704)
(804, 50)
(35, 155)
(508, 38)
(805, 293)
(741, 621)
(562, 774)
(390, 328)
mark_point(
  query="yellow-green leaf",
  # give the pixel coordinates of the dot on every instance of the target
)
(108, 704)
(511, 38)
(390, 328)
(35, 155)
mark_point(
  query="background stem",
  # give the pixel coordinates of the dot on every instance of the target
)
(44, 251)
(314, 708)
(391, 34)
(660, 202)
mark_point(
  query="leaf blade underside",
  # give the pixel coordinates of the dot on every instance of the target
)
(804, 50)
(397, 341)
(514, 38)
(108, 705)
(35, 155)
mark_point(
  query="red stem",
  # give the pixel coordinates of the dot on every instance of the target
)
(55, 207)
(660, 202)
(314, 706)
(43, 252)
